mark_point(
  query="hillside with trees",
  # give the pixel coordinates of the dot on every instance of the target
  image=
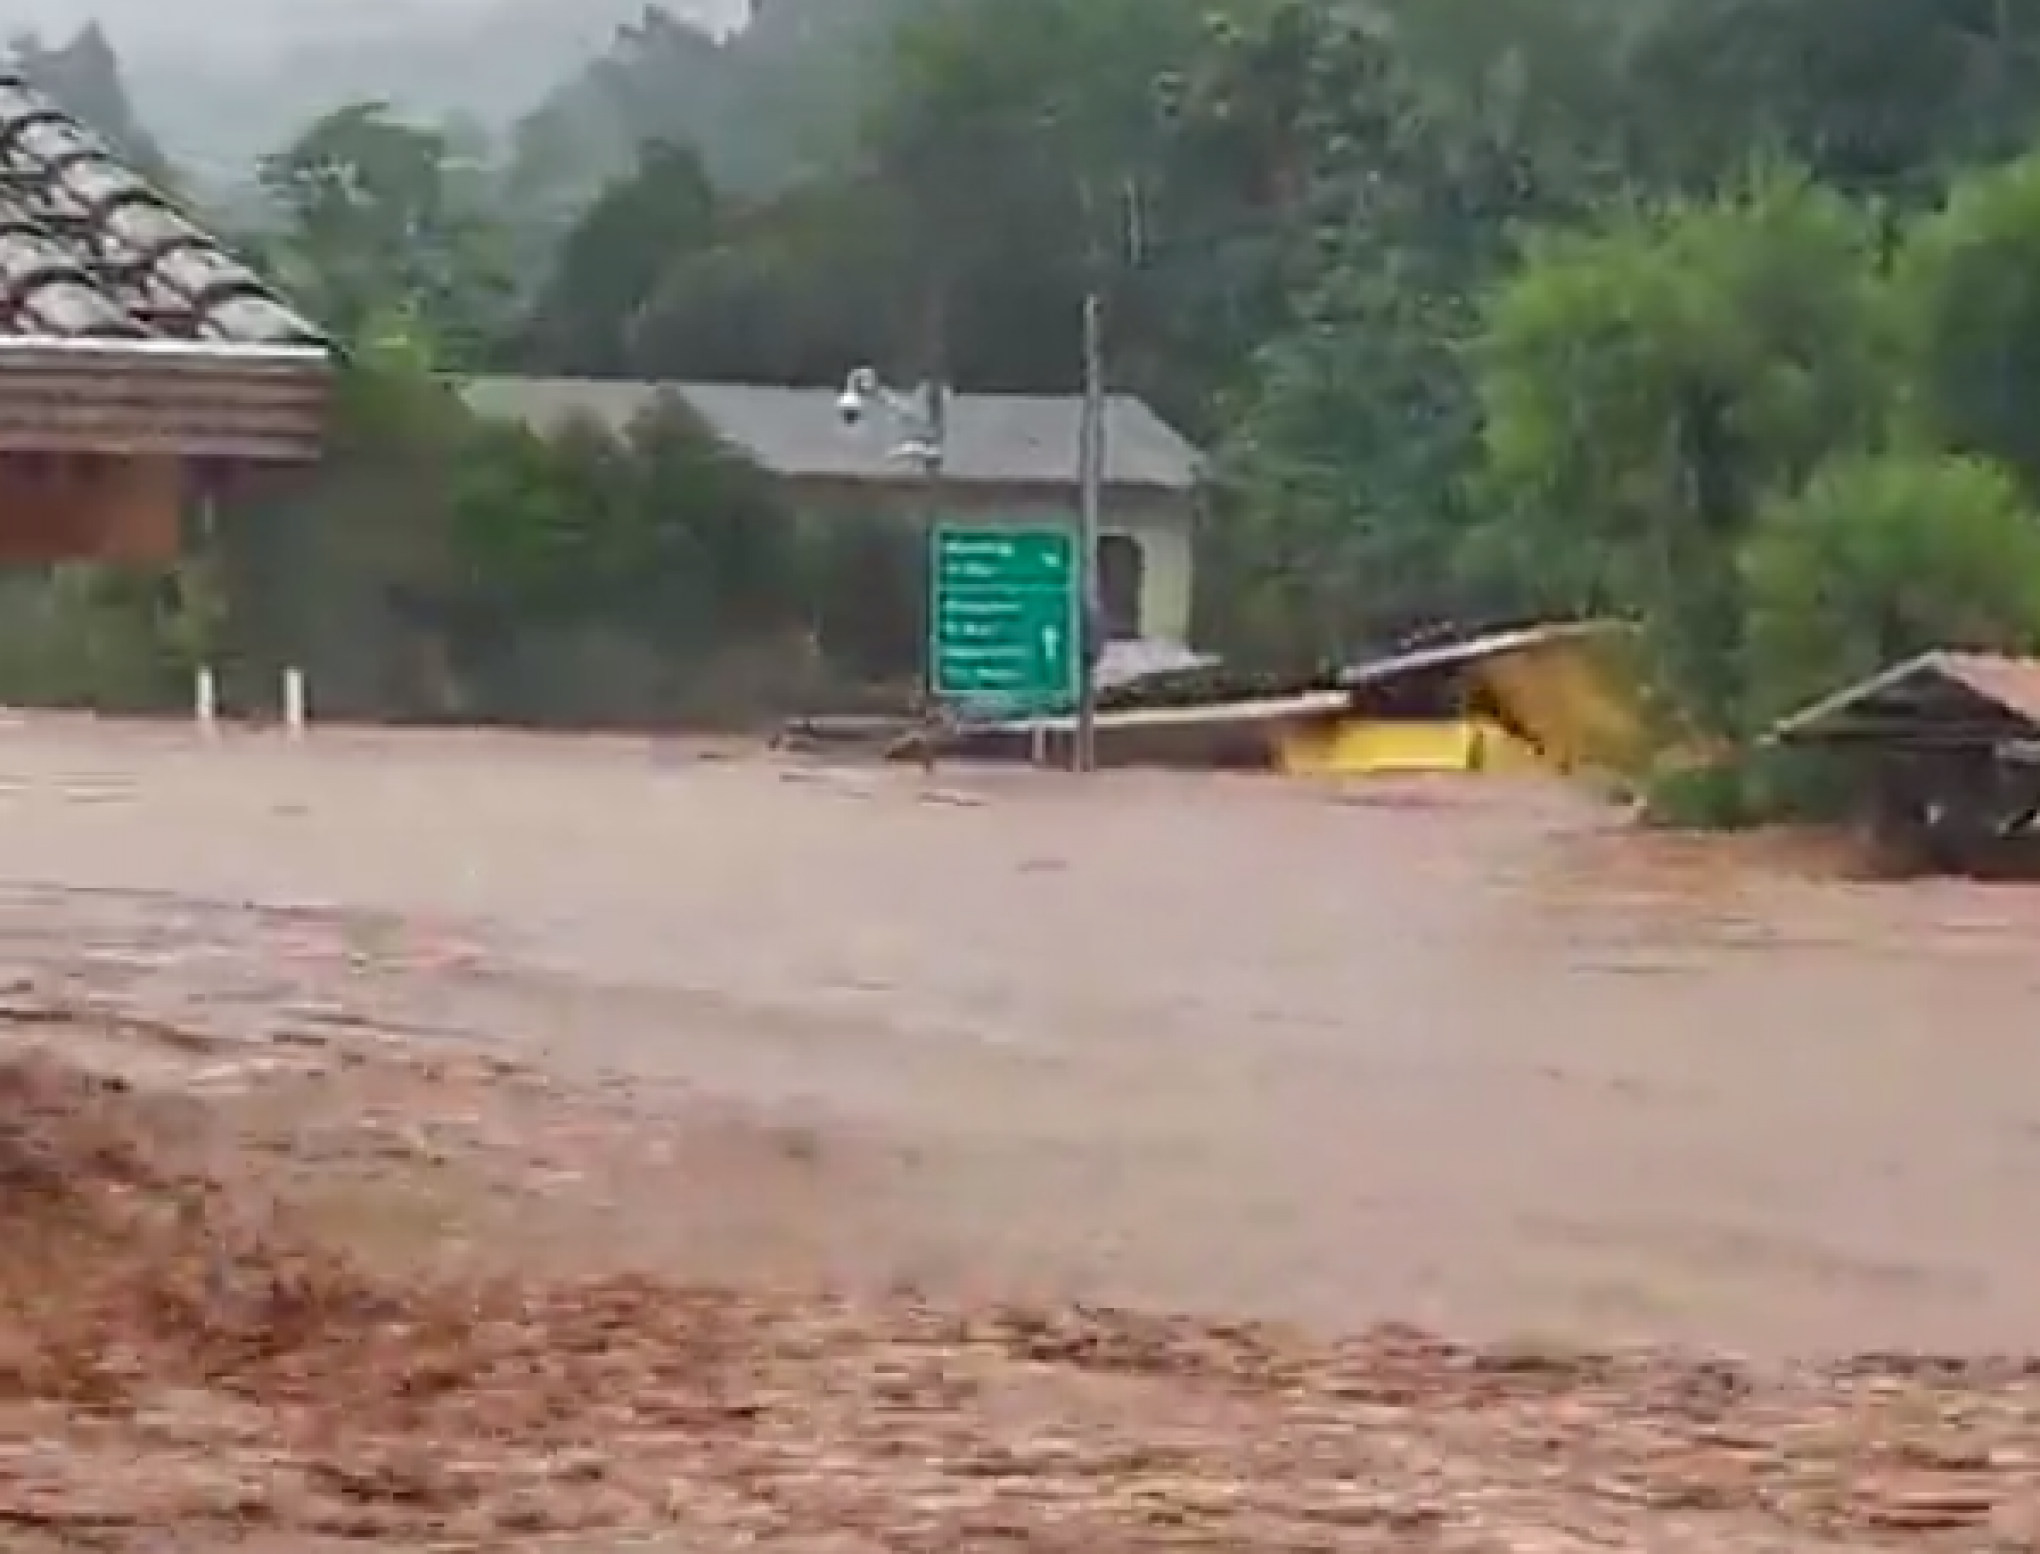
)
(1719, 314)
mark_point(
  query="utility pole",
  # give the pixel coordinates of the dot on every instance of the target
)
(933, 453)
(1091, 480)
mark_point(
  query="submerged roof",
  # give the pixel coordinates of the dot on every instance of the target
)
(1475, 650)
(91, 250)
(1944, 695)
(798, 433)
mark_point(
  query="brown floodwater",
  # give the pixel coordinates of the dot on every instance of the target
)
(1470, 1053)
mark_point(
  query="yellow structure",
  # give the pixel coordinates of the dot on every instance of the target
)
(1550, 699)
(1350, 746)
(1010, 460)
(1570, 696)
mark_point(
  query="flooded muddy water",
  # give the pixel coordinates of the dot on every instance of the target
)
(1470, 1054)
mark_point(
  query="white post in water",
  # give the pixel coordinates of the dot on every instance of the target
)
(294, 699)
(205, 700)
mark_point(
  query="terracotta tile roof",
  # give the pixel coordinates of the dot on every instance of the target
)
(90, 250)
(2013, 683)
(1916, 690)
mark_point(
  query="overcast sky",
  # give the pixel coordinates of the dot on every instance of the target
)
(217, 95)
(261, 26)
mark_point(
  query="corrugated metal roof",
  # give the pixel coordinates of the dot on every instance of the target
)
(993, 439)
(1241, 714)
(89, 249)
(1473, 650)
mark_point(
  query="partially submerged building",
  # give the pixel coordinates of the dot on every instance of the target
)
(143, 367)
(1011, 459)
(1550, 698)
(1943, 750)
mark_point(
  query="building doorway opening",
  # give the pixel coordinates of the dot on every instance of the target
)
(1122, 577)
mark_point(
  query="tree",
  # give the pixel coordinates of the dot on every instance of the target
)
(891, 250)
(769, 107)
(1647, 385)
(342, 570)
(379, 216)
(1968, 297)
(533, 521)
(714, 555)
(976, 95)
(1878, 557)
(1355, 426)
(793, 290)
(660, 83)
(1879, 97)
(615, 258)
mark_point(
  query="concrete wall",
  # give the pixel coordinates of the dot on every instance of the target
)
(1161, 525)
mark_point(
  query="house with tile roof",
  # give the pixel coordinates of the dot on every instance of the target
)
(142, 365)
(1009, 459)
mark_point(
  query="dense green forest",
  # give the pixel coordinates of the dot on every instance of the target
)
(1723, 315)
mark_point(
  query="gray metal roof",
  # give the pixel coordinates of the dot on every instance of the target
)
(90, 250)
(1474, 650)
(993, 439)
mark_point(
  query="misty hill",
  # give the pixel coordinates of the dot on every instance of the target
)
(84, 76)
(217, 95)
(761, 105)
(566, 91)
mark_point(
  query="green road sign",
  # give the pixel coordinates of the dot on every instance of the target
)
(1003, 618)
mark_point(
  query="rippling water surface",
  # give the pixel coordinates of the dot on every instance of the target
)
(1470, 1052)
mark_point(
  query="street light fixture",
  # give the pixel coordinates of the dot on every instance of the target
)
(917, 416)
(921, 420)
